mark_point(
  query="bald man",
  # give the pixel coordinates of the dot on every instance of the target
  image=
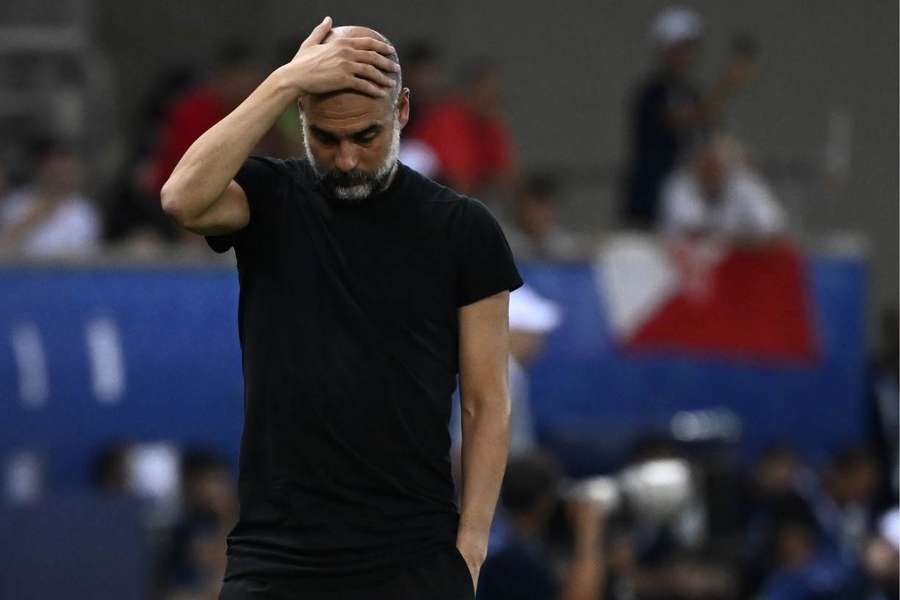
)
(366, 289)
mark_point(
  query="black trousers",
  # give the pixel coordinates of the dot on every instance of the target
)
(440, 576)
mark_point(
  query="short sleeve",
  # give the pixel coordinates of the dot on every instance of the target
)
(261, 178)
(486, 261)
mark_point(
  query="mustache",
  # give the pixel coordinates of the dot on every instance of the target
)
(347, 178)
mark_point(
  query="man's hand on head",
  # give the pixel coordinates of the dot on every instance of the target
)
(347, 63)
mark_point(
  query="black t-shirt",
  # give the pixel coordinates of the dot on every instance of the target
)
(349, 331)
(656, 145)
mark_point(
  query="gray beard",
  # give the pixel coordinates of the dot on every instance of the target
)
(352, 188)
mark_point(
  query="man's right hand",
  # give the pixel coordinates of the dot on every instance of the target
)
(350, 63)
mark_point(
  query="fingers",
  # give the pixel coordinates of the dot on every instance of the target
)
(378, 60)
(372, 74)
(365, 86)
(367, 43)
(318, 34)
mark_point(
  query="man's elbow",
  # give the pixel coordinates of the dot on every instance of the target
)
(488, 406)
(174, 204)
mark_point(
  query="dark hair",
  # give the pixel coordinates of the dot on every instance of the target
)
(108, 470)
(528, 479)
(199, 461)
(539, 185)
(45, 147)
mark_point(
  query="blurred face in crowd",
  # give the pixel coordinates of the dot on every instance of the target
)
(711, 170)
(853, 483)
(775, 474)
(679, 57)
(484, 93)
(425, 79)
(536, 214)
(213, 491)
(60, 173)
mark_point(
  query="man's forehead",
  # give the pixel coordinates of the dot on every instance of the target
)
(345, 109)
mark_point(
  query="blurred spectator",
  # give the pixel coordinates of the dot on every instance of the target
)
(109, 470)
(236, 75)
(531, 319)
(807, 570)
(196, 563)
(522, 568)
(468, 133)
(668, 111)
(423, 75)
(717, 194)
(133, 214)
(881, 556)
(52, 216)
(845, 509)
(535, 232)
(884, 398)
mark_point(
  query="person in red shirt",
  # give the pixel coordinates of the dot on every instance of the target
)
(235, 76)
(468, 134)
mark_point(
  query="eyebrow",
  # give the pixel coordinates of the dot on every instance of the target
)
(371, 129)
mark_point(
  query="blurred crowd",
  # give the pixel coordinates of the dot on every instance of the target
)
(675, 521)
(684, 174)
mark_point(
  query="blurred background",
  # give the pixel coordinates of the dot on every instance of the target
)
(702, 198)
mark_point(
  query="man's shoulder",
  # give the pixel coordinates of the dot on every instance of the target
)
(431, 190)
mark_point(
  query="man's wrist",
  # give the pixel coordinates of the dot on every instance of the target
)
(474, 540)
(286, 81)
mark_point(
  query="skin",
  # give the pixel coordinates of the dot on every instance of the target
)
(343, 90)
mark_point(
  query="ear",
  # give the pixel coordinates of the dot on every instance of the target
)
(403, 107)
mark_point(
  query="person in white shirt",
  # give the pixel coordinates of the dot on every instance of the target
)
(51, 217)
(717, 194)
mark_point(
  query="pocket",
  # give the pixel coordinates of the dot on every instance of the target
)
(464, 567)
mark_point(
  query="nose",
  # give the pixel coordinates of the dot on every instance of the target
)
(346, 159)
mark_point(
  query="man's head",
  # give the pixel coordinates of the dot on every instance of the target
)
(60, 171)
(352, 140)
(531, 486)
(677, 33)
(482, 87)
(713, 161)
(535, 205)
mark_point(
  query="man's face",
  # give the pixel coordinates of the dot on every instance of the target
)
(352, 141)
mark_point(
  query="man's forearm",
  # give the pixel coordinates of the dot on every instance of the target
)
(215, 157)
(485, 447)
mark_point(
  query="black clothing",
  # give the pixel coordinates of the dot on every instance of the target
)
(656, 145)
(442, 575)
(518, 571)
(349, 332)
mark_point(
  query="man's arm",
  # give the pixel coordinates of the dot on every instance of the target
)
(201, 195)
(485, 408)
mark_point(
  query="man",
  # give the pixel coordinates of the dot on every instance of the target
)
(522, 568)
(52, 217)
(236, 74)
(469, 135)
(717, 195)
(535, 231)
(668, 111)
(365, 289)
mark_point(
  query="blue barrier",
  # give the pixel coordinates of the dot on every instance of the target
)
(95, 354)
